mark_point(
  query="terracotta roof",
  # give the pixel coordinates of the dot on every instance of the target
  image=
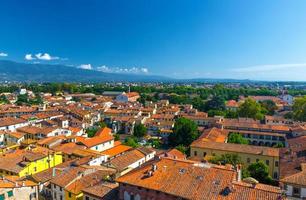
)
(96, 140)
(214, 134)
(15, 182)
(105, 190)
(132, 94)
(186, 180)
(17, 135)
(123, 161)
(68, 148)
(46, 175)
(10, 121)
(116, 150)
(232, 103)
(298, 178)
(103, 131)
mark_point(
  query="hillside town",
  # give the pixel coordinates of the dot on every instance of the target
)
(115, 145)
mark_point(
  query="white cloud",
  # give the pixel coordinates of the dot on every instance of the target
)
(42, 56)
(132, 70)
(85, 66)
(29, 57)
(45, 56)
(2, 54)
(284, 72)
(266, 68)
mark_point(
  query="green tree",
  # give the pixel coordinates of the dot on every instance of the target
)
(232, 159)
(117, 137)
(269, 106)
(237, 139)
(22, 99)
(217, 102)
(251, 109)
(3, 99)
(260, 171)
(131, 141)
(139, 130)
(299, 109)
(279, 145)
(185, 131)
(101, 124)
(182, 149)
(91, 132)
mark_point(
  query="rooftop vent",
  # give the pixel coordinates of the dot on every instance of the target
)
(200, 178)
(182, 171)
(226, 191)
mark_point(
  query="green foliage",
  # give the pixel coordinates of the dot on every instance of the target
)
(260, 171)
(232, 159)
(131, 141)
(237, 139)
(76, 99)
(117, 137)
(91, 132)
(299, 109)
(101, 124)
(185, 131)
(22, 99)
(215, 103)
(269, 106)
(182, 149)
(251, 109)
(3, 99)
(36, 101)
(231, 114)
(212, 113)
(155, 143)
(139, 130)
(289, 115)
(279, 145)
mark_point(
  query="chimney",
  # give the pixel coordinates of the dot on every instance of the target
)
(154, 167)
(238, 168)
(53, 172)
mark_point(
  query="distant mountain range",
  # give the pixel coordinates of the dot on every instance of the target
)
(24, 72)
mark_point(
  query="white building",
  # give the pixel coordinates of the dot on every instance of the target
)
(295, 185)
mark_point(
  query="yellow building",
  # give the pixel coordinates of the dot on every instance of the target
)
(28, 161)
(212, 143)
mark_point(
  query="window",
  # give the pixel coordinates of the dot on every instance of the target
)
(296, 191)
(276, 163)
(257, 160)
(132, 197)
(86, 198)
(275, 175)
(61, 197)
(10, 193)
(248, 160)
(60, 188)
(204, 154)
(195, 153)
(69, 195)
(35, 169)
(267, 162)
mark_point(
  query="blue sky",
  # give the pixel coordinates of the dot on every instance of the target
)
(262, 40)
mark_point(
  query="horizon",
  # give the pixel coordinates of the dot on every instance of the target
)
(178, 39)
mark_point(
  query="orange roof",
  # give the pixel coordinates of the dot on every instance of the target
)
(190, 181)
(116, 150)
(103, 131)
(132, 94)
(96, 140)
